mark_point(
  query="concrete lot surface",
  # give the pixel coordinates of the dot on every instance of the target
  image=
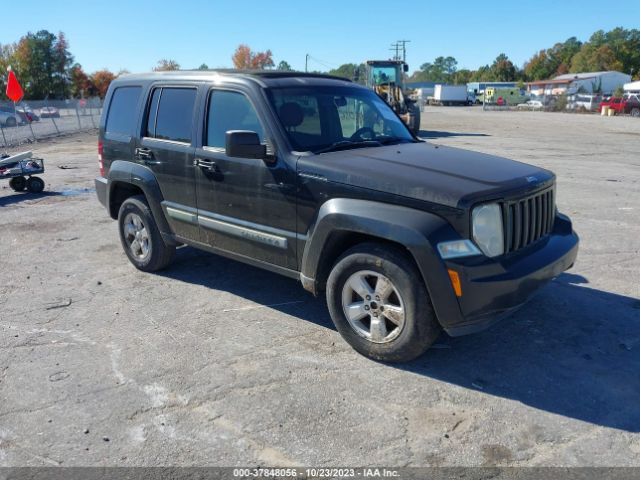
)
(213, 362)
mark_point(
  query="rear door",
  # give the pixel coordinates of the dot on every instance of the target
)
(118, 133)
(245, 205)
(167, 149)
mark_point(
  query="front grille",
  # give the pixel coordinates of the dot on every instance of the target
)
(528, 219)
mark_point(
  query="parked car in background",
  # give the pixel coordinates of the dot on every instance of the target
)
(9, 119)
(49, 112)
(530, 105)
(26, 114)
(613, 103)
(629, 105)
(632, 105)
(584, 101)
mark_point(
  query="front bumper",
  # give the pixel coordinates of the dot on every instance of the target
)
(494, 288)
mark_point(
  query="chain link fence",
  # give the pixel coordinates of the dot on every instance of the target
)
(32, 120)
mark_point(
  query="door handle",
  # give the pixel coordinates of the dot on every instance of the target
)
(144, 154)
(208, 165)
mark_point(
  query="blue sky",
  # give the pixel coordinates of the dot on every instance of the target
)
(135, 34)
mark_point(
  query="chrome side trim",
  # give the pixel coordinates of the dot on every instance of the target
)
(243, 232)
(182, 215)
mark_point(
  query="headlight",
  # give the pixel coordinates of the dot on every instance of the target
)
(487, 232)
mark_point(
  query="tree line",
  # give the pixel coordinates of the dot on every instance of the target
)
(46, 68)
(618, 49)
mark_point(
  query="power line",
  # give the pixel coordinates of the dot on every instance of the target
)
(325, 64)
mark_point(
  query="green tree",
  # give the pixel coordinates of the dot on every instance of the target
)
(592, 58)
(552, 61)
(618, 49)
(442, 70)
(462, 76)
(348, 71)
(42, 62)
(483, 74)
(503, 69)
(203, 66)
(63, 60)
(165, 65)
(284, 66)
(7, 53)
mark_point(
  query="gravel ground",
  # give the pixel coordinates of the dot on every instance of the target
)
(216, 363)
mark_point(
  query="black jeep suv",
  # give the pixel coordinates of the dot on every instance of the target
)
(316, 178)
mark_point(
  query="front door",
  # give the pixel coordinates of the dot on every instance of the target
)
(245, 206)
(166, 148)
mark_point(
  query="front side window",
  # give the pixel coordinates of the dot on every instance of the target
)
(229, 111)
(170, 114)
(122, 110)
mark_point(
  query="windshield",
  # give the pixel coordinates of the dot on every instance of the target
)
(380, 75)
(318, 119)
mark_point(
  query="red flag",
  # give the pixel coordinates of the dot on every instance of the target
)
(14, 90)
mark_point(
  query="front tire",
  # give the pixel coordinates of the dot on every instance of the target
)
(635, 112)
(415, 119)
(380, 305)
(140, 237)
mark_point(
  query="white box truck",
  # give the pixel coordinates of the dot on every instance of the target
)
(450, 95)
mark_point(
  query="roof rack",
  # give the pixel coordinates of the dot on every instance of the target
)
(269, 73)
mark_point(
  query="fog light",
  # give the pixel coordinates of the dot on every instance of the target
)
(457, 249)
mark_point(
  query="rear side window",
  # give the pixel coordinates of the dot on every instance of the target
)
(171, 114)
(230, 111)
(122, 110)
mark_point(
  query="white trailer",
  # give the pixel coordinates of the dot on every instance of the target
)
(450, 95)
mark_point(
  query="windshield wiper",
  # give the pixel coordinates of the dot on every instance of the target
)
(394, 140)
(347, 144)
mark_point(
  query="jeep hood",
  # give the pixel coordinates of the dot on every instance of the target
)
(442, 175)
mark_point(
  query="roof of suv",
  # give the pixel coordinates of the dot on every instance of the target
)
(266, 78)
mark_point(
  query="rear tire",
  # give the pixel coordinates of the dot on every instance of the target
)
(18, 184)
(11, 122)
(635, 112)
(140, 237)
(35, 184)
(390, 315)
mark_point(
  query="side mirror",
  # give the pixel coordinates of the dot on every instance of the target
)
(405, 68)
(356, 74)
(244, 144)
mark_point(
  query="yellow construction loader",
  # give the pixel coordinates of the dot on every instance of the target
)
(385, 77)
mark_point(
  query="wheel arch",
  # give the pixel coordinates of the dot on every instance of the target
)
(127, 179)
(343, 223)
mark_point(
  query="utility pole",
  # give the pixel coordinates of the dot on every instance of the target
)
(403, 44)
(395, 47)
(306, 62)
